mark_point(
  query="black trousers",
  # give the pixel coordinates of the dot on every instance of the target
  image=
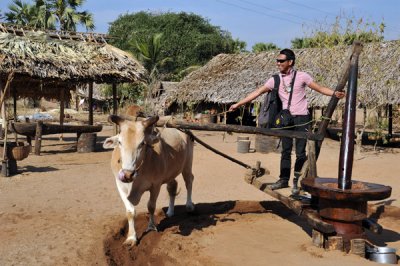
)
(301, 122)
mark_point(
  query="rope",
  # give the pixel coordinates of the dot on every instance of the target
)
(311, 121)
(297, 125)
(325, 118)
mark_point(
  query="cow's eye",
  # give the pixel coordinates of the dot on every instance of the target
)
(119, 142)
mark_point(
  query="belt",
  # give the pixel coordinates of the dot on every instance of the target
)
(299, 115)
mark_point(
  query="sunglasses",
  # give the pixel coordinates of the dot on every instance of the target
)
(281, 60)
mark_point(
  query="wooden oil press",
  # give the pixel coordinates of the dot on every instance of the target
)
(342, 202)
(337, 210)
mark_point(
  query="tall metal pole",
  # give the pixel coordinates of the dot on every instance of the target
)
(348, 134)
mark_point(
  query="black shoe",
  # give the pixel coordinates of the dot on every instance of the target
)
(295, 188)
(279, 184)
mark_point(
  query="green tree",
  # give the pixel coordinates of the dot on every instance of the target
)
(65, 13)
(20, 13)
(341, 33)
(187, 39)
(127, 93)
(262, 47)
(149, 53)
(239, 46)
(50, 14)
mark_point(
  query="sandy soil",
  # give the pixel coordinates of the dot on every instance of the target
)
(63, 209)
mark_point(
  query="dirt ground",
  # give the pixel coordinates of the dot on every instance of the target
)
(62, 208)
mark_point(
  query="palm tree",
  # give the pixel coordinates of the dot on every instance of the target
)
(44, 19)
(20, 13)
(47, 14)
(65, 13)
(149, 53)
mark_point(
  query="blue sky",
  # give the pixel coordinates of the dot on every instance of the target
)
(252, 21)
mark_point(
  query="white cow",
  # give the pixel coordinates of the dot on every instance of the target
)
(145, 158)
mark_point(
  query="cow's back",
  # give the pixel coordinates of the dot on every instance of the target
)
(172, 153)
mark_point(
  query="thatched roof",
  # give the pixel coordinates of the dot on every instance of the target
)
(164, 93)
(228, 78)
(42, 62)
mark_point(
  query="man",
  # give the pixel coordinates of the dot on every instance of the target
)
(298, 108)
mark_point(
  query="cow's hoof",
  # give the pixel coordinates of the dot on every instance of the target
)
(151, 227)
(130, 242)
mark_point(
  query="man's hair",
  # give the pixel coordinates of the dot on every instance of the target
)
(289, 55)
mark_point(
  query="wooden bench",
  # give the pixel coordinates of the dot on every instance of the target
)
(38, 129)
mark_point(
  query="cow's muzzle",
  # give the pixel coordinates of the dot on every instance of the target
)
(126, 176)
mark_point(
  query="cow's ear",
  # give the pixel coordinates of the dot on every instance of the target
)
(110, 142)
(115, 119)
(150, 121)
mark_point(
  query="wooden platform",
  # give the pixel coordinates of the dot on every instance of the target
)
(300, 205)
(29, 129)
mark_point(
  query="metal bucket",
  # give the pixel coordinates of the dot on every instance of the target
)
(382, 254)
(266, 144)
(243, 146)
(239, 138)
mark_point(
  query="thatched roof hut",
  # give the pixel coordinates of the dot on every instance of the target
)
(228, 78)
(163, 95)
(45, 62)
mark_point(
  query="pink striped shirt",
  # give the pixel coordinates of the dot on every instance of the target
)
(299, 104)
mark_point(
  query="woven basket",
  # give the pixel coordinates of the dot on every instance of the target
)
(20, 152)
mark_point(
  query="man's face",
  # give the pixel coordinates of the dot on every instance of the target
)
(282, 63)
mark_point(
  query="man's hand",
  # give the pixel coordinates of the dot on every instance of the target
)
(233, 107)
(339, 94)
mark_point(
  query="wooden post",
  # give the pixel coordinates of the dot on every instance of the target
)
(364, 116)
(357, 247)
(390, 116)
(115, 104)
(312, 159)
(15, 111)
(317, 238)
(90, 103)
(114, 95)
(62, 101)
(76, 99)
(334, 243)
(3, 107)
(38, 137)
(15, 103)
